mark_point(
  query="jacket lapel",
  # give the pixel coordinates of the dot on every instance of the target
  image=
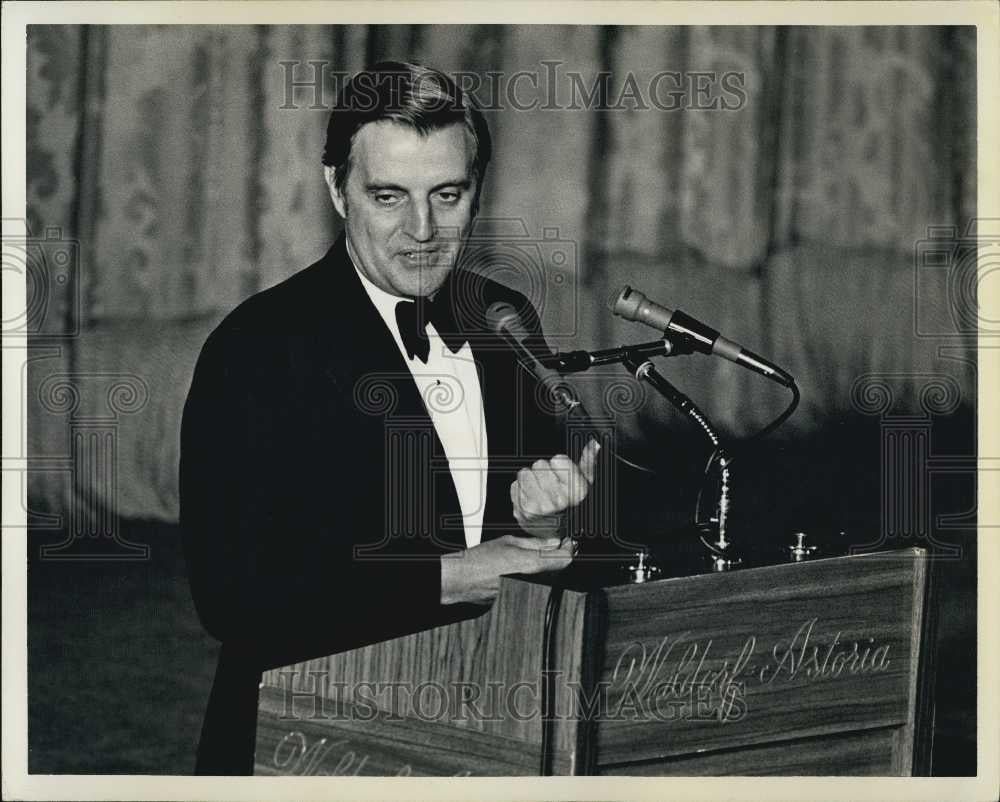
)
(498, 378)
(362, 362)
(502, 382)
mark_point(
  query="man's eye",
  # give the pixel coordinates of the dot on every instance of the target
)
(386, 198)
(449, 195)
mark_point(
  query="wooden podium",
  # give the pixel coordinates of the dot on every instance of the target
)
(820, 667)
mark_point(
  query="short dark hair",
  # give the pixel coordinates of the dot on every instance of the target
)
(410, 94)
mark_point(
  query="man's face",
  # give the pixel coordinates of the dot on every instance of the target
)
(407, 204)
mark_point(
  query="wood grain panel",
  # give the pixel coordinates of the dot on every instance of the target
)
(354, 742)
(870, 753)
(481, 675)
(706, 662)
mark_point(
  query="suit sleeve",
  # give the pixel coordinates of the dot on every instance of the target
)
(277, 583)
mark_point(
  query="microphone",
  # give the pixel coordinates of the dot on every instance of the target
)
(504, 321)
(633, 305)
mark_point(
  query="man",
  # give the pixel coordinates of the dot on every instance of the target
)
(361, 456)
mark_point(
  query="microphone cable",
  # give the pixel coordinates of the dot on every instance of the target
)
(741, 446)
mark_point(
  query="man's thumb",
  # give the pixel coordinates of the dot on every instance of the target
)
(588, 460)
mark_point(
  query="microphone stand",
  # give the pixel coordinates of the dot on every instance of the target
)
(637, 359)
(577, 361)
(719, 551)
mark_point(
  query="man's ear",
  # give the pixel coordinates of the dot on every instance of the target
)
(477, 197)
(339, 202)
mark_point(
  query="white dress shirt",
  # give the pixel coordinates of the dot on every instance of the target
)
(449, 387)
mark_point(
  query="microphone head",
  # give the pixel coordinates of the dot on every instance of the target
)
(634, 305)
(502, 316)
(626, 302)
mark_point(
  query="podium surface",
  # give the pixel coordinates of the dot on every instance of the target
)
(819, 667)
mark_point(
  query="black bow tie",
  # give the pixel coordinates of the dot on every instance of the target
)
(412, 318)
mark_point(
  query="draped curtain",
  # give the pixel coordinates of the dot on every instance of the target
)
(183, 162)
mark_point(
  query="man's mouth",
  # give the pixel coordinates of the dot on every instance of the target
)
(420, 254)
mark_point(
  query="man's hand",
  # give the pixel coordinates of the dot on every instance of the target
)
(541, 493)
(474, 575)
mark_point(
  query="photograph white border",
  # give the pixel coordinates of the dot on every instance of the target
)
(17, 784)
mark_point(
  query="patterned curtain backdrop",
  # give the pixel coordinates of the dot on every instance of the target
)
(182, 166)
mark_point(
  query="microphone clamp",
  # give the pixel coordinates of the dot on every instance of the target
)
(579, 361)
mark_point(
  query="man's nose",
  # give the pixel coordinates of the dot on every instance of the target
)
(420, 222)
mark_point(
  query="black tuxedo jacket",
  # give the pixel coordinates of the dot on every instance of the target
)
(315, 495)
